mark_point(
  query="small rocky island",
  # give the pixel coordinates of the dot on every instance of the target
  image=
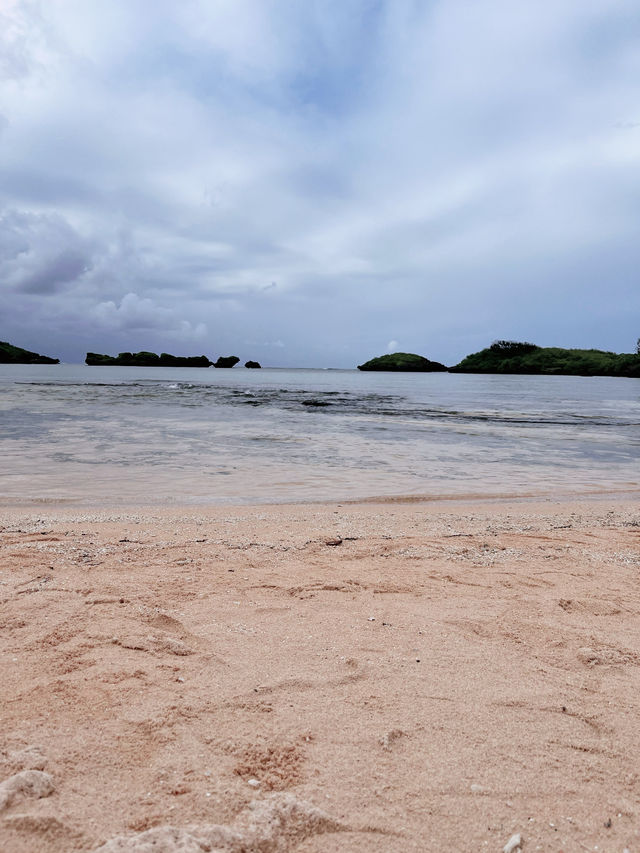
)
(226, 361)
(252, 365)
(10, 354)
(165, 359)
(405, 362)
(147, 359)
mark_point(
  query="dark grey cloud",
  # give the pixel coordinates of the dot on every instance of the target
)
(41, 253)
(59, 271)
(421, 176)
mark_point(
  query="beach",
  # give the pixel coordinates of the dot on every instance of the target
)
(393, 675)
(319, 427)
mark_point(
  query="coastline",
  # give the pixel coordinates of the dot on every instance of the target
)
(433, 674)
(613, 491)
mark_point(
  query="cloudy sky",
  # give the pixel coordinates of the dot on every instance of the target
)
(315, 183)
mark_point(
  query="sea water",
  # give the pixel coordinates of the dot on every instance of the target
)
(171, 435)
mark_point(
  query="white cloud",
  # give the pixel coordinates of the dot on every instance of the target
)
(132, 313)
(191, 332)
(135, 314)
(397, 161)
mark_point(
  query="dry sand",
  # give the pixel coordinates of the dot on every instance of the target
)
(358, 677)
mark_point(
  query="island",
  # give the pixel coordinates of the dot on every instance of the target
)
(147, 359)
(10, 354)
(226, 361)
(527, 358)
(403, 362)
(252, 365)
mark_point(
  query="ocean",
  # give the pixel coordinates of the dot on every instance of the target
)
(111, 435)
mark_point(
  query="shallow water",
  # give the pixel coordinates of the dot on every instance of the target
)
(161, 435)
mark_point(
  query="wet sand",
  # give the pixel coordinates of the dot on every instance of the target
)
(420, 676)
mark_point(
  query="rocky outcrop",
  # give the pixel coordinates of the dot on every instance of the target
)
(252, 364)
(226, 361)
(147, 359)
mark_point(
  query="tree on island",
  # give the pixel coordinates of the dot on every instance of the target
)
(508, 349)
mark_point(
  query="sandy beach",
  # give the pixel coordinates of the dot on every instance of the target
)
(392, 676)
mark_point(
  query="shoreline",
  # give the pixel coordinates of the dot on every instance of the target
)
(604, 493)
(365, 676)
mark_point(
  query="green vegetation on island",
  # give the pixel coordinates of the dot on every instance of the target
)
(527, 358)
(147, 359)
(403, 362)
(520, 357)
(10, 354)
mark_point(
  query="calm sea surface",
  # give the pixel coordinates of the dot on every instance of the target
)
(154, 435)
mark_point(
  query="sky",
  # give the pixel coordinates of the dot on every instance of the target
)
(316, 183)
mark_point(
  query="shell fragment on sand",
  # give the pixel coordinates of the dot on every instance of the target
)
(514, 844)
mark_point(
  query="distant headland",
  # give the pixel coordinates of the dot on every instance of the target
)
(519, 358)
(10, 354)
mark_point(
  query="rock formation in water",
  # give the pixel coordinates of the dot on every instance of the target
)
(10, 354)
(403, 362)
(226, 361)
(147, 359)
(252, 364)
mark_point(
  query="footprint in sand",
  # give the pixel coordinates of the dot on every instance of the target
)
(30, 758)
(154, 645)
(43, 832)
(276, 767)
